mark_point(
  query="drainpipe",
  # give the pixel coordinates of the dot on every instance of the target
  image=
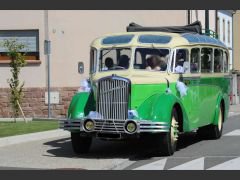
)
(47, 53)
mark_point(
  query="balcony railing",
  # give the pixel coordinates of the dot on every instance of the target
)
(211, 33)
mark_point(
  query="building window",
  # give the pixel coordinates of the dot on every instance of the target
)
(218, 26)
(223, 30)
(228, 31)
(30, 38)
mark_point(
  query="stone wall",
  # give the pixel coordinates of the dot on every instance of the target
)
(33, 104)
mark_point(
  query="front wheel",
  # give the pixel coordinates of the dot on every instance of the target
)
(212, 131)
(167, 142)
(80, 144)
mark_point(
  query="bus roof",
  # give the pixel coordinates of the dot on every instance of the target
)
(158, 39)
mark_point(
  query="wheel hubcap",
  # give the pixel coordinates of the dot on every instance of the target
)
(174, 131)
(220, 120)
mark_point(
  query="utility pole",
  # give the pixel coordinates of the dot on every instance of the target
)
(189, 16)
(47, 44)
(206, 20)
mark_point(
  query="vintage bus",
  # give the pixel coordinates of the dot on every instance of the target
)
(153, 83)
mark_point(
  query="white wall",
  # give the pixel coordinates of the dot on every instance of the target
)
(71, 33)
(227, 17)
(34, 75)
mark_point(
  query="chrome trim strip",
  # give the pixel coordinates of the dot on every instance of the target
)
(116, 126)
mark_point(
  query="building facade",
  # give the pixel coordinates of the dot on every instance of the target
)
(70, 33)
(236, 41)
(225, 31)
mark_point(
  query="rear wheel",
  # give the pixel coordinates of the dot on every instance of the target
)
(212, 131)
(167, 142)
(80, 144)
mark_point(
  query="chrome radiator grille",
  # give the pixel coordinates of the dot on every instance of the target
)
(112, 98)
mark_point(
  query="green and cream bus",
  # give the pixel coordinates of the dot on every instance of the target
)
(152, 83)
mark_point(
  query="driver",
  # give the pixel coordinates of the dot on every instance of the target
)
(124, 61)
(109, 63)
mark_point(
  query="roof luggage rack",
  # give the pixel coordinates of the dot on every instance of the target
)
(195, 27)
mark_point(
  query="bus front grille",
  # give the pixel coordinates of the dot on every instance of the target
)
(112, 98)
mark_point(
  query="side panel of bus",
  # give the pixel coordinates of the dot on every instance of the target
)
(205, 91)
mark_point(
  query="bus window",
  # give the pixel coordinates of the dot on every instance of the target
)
(218, 60)
(182, 61)
(206, 60)
(151, 59)
(225, 61)
(138, 60)
(93, 58)
(114, 59)
(195, 60)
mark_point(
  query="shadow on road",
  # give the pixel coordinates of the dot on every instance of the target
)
(131, 149)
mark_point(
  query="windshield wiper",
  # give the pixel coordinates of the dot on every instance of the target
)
(108, 51)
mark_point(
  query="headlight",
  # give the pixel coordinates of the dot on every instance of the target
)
(84, 86)
(131, 127)
(89, 125)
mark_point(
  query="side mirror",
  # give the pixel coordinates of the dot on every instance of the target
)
(80, 67)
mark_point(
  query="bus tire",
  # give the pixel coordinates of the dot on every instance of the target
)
(212, 131)
(167, 142)
(80, 144)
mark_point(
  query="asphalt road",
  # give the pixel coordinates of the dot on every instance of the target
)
(192, 153)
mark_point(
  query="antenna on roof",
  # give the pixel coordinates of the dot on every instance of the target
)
(195, 27)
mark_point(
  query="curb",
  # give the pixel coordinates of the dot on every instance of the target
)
(11, 140)
(12, 119)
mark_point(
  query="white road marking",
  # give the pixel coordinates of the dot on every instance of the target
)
(233, 133)
(196, 164)
(233, 164)
(157, 165)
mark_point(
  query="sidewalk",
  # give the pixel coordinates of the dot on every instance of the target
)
(6, 141)
(235, 108)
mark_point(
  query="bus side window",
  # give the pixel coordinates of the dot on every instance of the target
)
(225, 61)
(206, 60)
(138, 63)
(93, 58)
(218, 60)
(182, 61)
(195, 60)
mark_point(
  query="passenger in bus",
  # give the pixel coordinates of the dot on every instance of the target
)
(153, 63)
(109, 63)
(163, 63)
(179, 62)
(194, 67)
(124, 61)
(205, 65)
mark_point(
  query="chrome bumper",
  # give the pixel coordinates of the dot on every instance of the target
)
(116, 126)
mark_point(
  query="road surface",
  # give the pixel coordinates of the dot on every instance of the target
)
(192, 153)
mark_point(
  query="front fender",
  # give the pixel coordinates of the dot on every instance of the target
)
(81, 104)
(159, 108)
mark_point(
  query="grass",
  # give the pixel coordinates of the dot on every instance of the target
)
(18, 128)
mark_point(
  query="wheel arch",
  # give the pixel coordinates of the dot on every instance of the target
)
(178, 108)
(220, 104)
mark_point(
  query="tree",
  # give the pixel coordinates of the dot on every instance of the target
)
(14, 51)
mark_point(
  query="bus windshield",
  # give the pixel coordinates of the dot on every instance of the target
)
(114, 59)
(152, 59)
